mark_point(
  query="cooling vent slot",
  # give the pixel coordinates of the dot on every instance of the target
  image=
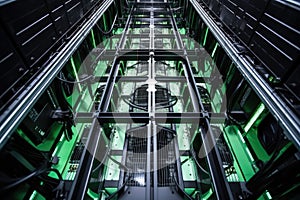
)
(136, 159)
(165, 156)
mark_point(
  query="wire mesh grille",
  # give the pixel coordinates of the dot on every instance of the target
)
(136, 159)
(165, 157)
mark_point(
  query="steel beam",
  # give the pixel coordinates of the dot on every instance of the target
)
(21, 106)
(277, 106)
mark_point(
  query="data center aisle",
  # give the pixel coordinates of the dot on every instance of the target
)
(156, 81)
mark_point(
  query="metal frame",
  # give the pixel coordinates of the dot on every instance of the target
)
(272, 100)
(152, 118)
(276, 104)
(21, 106)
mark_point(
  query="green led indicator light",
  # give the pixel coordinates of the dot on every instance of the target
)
(93, 38)
(104, 22)
(205, 37)
(256, 115)
(215, 49)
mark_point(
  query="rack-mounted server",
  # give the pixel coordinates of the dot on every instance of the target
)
(149, 100)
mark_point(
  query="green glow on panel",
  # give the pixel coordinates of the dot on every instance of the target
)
(205, 36)
(182, 31)
(92, 194)
(189, 190)
(36, 196)
(237, 144)
(93, 38)
(111, 190)
(75, 72)
(25, 137)
(104, 22)
(256, 115)
(119, 31)
(63, 151)
(207, 195)
(33, 195)
(268, 195)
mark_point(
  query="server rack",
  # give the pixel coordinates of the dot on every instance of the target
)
(168, 99)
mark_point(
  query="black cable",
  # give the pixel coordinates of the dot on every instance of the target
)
(170, 103)
(120, 189)
(233, 95)
(274, 179)
(35, 173)
(203, 181)
(277, 149)
(164, 63)
(73, 82)
(182, 190)
(118, 163)
(141, 62)
(230, 104)
(234, 121)
(129, 102)
(184, 161)
(159, 105)
(65, 114)
(196, 161)
(110, 30)
(23, 179)
(102, 161)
